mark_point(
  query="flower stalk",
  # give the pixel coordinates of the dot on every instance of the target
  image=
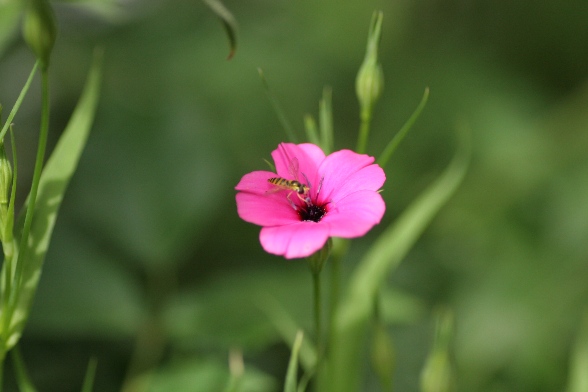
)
(370, 81)
(41, 147)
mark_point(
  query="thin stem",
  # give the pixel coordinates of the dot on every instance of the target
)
(8, 238)
(316, 279)
(288, 128)
(2, 372)
(364, 131)
(19, 100)
(22, 378)
(393, 144)
(335, 280)
(35, 185)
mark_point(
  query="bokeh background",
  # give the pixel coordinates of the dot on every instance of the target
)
(150, 265)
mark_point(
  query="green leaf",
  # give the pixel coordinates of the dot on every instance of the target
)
(311, 130)
(437, 374)
(202, 375)
(278, 109)
(391, 247)
(287, 327)
(292, 374)
(326, 120)
(393, 144)
(18, 102)
(578, 378)
(55, 178)
(90, 375)
(229, 22)
(22, 377)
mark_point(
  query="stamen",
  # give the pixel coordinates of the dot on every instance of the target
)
(312, 212)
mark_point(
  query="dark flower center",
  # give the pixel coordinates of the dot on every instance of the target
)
(312, 212)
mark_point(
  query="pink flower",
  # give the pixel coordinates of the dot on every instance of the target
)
(311, 198)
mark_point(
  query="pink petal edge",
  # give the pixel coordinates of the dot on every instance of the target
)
(297, 240)
(355, 215)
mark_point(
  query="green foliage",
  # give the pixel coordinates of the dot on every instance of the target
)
(179, 125)
(54, 180)
(90, 376)
(355, 310)
(291, 382)
(228, 20)
(395, 142)
(578, 379)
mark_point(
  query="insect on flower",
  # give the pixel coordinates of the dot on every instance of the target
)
(343, 199)
(292, 185)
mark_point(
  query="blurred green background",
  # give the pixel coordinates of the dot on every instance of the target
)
(150, 264)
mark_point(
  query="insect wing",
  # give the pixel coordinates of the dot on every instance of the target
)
(293, 168)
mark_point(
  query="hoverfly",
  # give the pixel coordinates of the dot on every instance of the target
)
(281, 183)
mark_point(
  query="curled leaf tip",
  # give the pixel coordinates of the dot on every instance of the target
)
(229, 23)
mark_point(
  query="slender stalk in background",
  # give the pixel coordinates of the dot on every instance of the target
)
(35, 185)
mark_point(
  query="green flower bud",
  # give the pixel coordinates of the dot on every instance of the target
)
(5, 184)
(383, 356)
(39, 29)
(438, 374)
(370, 78)
(5, 177)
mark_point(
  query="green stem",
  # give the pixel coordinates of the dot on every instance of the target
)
(8, 239)
(2, 373)
(364, 131)
(35, 185)
(22, 378)
(316, 279)
(391, 147)
(335, 280)
(19, 100)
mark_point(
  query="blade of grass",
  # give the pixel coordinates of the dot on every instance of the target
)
(578, 378)
(229, 23)
(393, 144)
(19, 100)
(390, 248)
(53, 183)
(278, 109)
(287, 327)
(326, 121)
(292, 374)
(90, 375)
(311, 130)
(20, 370)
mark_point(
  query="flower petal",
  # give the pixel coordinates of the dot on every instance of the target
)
(355, 214)
(369, 178)
(314, 152)
(256, 182)
(346, 171)
(294, 241)
(306, 157)
(265, 210)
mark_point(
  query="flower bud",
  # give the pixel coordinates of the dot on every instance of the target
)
(370, 78)
(438, 374)
(5, 177)
(5, 184)
(39, 29)
(382, 355)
